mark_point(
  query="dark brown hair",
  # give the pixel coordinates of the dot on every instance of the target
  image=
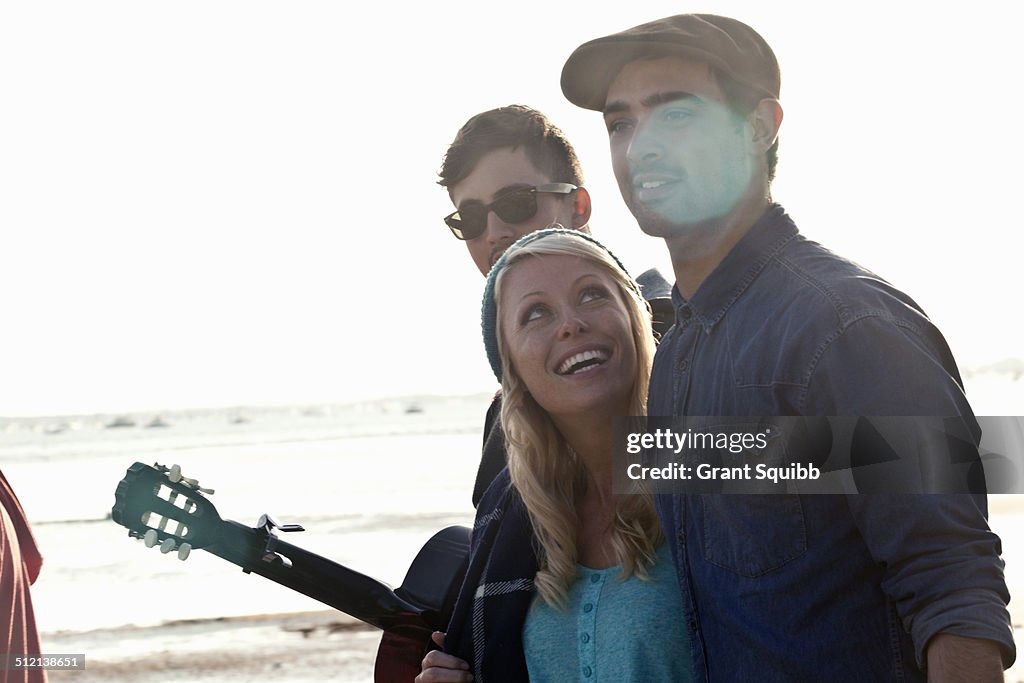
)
(513, 126)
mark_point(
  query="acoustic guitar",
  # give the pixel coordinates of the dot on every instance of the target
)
(167, 510)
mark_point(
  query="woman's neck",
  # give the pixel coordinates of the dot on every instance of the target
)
(592, 441)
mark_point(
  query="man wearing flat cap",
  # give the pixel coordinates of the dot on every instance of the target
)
(786, 587)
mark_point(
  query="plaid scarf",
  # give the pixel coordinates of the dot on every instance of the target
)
(486, 629)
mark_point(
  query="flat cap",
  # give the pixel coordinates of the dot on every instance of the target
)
(730, 45)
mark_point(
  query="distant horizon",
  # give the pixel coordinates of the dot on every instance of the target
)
(1011, 366)
(252, 406)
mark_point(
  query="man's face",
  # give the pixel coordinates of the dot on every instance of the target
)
(680, 155)
(497, 173)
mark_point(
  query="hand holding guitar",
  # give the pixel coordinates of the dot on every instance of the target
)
(439, 667)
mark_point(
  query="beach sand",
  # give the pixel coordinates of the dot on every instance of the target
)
(297, 648)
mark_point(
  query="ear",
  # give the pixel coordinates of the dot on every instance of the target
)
(766, 119)
(580, 208)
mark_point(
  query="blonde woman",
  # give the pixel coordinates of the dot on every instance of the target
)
(568, 580)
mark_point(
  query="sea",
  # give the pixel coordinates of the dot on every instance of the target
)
(369, 481)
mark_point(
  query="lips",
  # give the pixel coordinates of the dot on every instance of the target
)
(649, 187)
(583, 361)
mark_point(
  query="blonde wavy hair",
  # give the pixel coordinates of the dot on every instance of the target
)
(545, 470)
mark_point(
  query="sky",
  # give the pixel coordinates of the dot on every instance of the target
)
(226, 203)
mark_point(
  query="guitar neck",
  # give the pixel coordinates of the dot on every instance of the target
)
(328, 582)
(160, 506)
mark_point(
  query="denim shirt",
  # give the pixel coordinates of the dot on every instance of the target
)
(819, 587)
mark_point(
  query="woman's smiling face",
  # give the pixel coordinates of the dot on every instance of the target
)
(568, 335)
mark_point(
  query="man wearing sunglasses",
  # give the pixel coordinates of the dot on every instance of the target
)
(510, 172)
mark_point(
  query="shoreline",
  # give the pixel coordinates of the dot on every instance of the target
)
(300, 646)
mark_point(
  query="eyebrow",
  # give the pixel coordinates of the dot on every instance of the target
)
(497, 193)
(650, 101)
(510, 188)
(574, 283)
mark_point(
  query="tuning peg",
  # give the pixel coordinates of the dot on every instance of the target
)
(183, 551)
(167, 546)
(174, 475)
(150, 538)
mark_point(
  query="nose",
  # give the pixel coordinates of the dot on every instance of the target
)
(645, 146)
(572, 325)
(498, 230)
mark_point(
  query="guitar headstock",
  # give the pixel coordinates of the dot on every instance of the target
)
(160, 506)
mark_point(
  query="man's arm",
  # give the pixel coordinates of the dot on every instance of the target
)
(955, 659)
(942, 565)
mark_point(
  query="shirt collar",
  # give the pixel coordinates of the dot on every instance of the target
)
(738, 269)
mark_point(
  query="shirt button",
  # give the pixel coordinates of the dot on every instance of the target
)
(685, 313)
(693, 625)
(683, 364)
(585, 638)
(588, 608)
(587, 671)
(594, 578)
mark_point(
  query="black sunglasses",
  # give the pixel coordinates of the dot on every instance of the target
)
(470, 221)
